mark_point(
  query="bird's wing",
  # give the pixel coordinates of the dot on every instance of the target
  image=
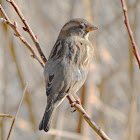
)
(55, 87)
(58, 74)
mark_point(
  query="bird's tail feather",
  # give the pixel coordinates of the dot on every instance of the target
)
(47, 119)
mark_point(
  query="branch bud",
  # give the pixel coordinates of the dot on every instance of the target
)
(15, 35)
(15, 23)
(33, 56)
(25, 29)
(36, 37)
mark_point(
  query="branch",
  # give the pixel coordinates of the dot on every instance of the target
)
(28, 29)
(17, 112)
(88, 119)
(14, 26)
(127, 24)
(5, 115)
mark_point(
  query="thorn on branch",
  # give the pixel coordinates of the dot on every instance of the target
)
(36, 37)
(15, 35)
(33, 56)
(25, 29)
(15, 23)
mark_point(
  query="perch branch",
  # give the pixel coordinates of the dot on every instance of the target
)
(5, 115)
(28, 29)
(88, 119)
(13, 122)
(14, 26)
(127, 24)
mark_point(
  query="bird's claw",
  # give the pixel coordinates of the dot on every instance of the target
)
(75, 102)
(78, 101)
(73, 110)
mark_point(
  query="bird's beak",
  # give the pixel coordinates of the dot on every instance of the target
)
(91, 28)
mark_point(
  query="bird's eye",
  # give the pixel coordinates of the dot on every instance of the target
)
(81, 26)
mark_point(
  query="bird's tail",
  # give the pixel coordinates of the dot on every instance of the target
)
(47, 119)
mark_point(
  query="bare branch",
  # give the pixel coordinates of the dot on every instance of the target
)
(89, 120)
(127, 24)
(18, 34)
(17, 111)
(5, 115)
(28, 29)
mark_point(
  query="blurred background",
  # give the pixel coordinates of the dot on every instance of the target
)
(111, 92)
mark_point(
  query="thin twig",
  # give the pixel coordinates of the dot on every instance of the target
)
(17, 112)
(5, 115)
(18, 34)
(28, 29)
(127, 24)
(89, 120)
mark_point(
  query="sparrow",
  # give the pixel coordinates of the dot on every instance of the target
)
(67, 67)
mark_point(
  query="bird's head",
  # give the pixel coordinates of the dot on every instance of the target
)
(77, 27)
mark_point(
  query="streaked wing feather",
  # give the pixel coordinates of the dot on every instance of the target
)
(49, 84)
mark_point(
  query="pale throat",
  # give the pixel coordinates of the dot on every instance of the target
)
(87, 35)
(82, 36)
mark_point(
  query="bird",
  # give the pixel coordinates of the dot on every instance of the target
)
(68, 65)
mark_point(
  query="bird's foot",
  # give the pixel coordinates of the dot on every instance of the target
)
(72, 105)
(77, 101)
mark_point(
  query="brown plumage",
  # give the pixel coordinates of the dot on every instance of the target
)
(67, 67)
